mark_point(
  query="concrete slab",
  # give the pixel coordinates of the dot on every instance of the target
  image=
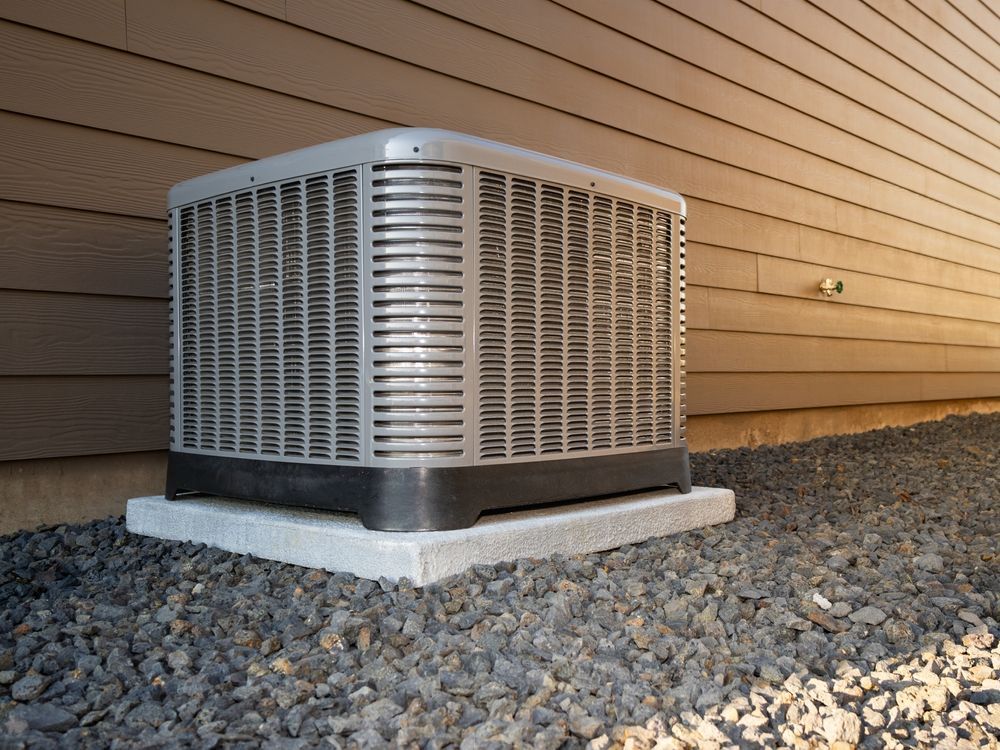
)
(338, 541)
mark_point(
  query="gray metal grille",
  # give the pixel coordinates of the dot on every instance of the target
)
(575, 321)
(270, 332)
(417, 343)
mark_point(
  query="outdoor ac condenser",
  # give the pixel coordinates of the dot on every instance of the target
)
(418, 325)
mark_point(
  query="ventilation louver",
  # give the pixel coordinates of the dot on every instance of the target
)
(417, 326)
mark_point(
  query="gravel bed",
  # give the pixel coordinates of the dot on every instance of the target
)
(854, 601)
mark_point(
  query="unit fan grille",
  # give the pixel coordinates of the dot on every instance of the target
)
(574, 322)
(269, 307)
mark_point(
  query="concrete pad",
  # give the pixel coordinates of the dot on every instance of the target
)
(338, 541)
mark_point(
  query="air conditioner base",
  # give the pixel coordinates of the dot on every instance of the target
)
(338, 541)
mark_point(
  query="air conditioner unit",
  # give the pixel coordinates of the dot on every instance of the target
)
(418, 326)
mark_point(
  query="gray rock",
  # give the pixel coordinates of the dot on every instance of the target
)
(45, 717)
(871, 541)
(840, 609)
(868, 616)
(984, 697)
(178, 660)
(29, 687)
(838, 563)
(584, 725)
(930, 562)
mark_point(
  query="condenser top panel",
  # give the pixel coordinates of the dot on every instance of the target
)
(409, 144)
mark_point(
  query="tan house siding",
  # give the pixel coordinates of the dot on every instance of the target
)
(846, 138)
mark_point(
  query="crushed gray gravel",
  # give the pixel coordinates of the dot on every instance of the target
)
(854, 601)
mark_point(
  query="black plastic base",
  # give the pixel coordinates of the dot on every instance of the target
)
(426, 499)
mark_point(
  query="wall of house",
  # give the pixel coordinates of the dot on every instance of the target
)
(854, 139)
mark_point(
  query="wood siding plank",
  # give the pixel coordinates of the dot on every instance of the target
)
(687, 38)
(734, 351)
(64, 165)
(425, 38)
(829, 32)
(275, 8)
(917, 24)
(724, 226)
(914, 53)
(960, 27)
(63, 250)
(44, 333)
(82, 415)
(796, 279)
(735, 310)
(754, 29)
(981, 16)
(626, 59)
(723, 393)
(159, 101)
(206, 36)
(721, 267)
(101, 21)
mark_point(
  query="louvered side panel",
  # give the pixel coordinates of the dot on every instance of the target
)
(524, 318)
(645, 331)
(552, 292)
(272, 386)
(173, 269)
(187, 328)
(248, 323)
(680, 358)
(575, 321)
(269, 322)
(347, 316)
(294, 378)
(663, 330)
(208, 334)
(623, 344)
(493, 333)
(418, 217)
(602, 317)
(228, 366)
(318, 316)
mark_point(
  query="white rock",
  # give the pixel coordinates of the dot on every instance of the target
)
(822, 601)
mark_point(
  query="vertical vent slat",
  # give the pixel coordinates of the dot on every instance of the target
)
(524, 326)
(663, 311)
(347, 315)
(294, 377)
(681, 353)
(187, 329)
(208, 341)
(579, 403)
(248, 322)
(227, 365)
(319, 316)
(417, 340)
(551, 349)
(271, 343)
(644, 326)
(269, 321)
(494, 304)
(602, 317)
(575, 321)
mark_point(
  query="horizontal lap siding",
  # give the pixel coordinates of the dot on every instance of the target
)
(798, 162)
